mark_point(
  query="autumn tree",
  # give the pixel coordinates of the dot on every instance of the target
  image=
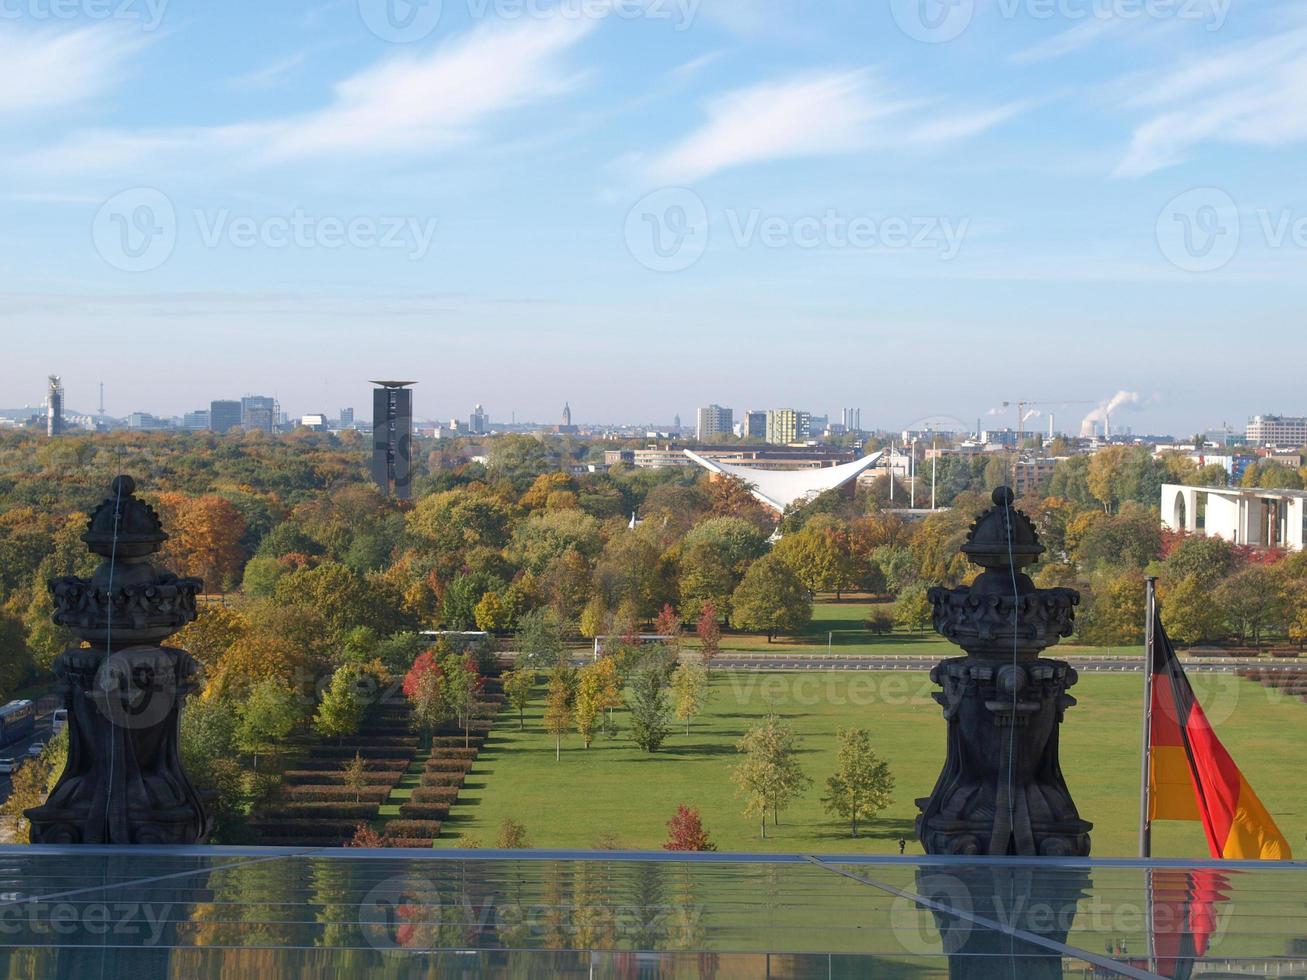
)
(1252, 602)
(709, 632)
(558, 709)
(668, 626)
(689, 691)
(1191, 613)
(518, 686)
(462, 690)
(592, 697)
(862, 782)
(424, 686)
(204, 538)
(512, 836)
(771, 599)
(685, 831)
(768, 776)
(356, 776)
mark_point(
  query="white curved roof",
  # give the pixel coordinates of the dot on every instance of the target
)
(778, 489)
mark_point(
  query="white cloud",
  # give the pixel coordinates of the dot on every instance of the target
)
(808, 115)
(45, 70)
(269, 75)
(406, 104)
(1072, 39)
(1252, 94)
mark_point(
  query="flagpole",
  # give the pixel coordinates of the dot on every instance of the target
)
(1150, 639)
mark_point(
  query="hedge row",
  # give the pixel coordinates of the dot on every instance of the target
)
(424, 811)
(441, 742)
(456, 752)
(306, 793)
(371, 752)
(315, 829)
(422, 829)
(454, 779)
(312, 777)
(449, 765)
(328, 810)
(447, 795)
(419, 842)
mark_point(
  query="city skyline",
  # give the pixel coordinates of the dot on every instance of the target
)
(657, 205)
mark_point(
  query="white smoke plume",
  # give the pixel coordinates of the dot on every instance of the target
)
(1103, 413)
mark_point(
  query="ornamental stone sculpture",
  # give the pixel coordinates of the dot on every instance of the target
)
(124, 782)
(1002, 790)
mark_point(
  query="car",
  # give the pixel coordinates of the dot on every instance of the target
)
(35, 749)
(60, 720)
(8, 765)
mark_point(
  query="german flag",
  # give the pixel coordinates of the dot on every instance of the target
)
(1183, 918)
(1191, 775)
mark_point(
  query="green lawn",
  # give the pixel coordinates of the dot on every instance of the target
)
(614, 789)
(839, 627)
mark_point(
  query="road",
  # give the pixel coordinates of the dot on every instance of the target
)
(18, 750)
(735, 660)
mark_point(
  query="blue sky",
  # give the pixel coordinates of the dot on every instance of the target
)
(918, 207)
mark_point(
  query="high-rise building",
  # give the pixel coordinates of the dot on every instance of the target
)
(788, 425)
(392, 438)
(346, 417)
(755, 425)
(478, 422)
(196, 421)
(224, 416)
(1286, 432)
(259, 412)
(714, 421)
(54, 407)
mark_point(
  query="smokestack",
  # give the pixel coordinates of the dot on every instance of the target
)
(1051, 419)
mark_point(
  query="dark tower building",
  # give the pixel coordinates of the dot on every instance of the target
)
(54, 407)
(392, 438)
(224, 416)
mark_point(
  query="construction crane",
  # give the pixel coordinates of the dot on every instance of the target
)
(1032, 403)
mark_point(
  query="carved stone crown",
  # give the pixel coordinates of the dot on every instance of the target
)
(1002, 612)
(127, 601)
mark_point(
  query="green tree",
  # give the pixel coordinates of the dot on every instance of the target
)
(821, 555)
(771, 599)
(1116, 613)
(768, 775)
(1190, 613)
(341, 710)
(512, 836)
(269, 712)
(689, 691)
(462, 687)
(650, 711)
(558, 709)
(912, 609)
(518, 686)
(862, 782)
(540, 640)
(1253, 602)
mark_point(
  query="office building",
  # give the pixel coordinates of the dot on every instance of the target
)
(260, 413)
(755, 426)
(787, 425)
(1283, 431)
(196, 421)
(392, 438)
(224, 416)
(714, 421)
(346, 417)
(478, 422)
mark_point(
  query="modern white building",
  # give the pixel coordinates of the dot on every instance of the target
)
(1241, 515)
(778, 489)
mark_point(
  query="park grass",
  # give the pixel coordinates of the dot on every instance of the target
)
(613, 789)
(838, 626)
